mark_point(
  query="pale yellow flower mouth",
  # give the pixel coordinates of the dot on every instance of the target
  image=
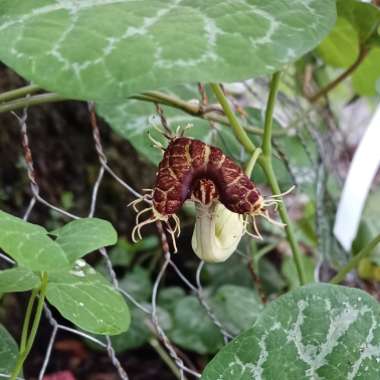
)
(217, 232)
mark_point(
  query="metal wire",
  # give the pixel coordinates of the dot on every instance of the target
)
(167, 263)
(152, 311)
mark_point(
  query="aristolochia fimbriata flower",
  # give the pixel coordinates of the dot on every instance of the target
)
(217, 232)
(192, 170)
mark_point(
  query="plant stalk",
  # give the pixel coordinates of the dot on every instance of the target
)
(28, 314)
(9, 102)
(191, 109)
(165, 357)
(35, 100)
(265, 160)
(289, 230)
(353, 263)
(33, 331)
(18, 93)
(268, 124)
(330, 86)
(238, 130)
(252, 162)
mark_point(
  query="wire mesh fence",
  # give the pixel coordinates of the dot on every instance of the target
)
(168, 263)
(194, 286)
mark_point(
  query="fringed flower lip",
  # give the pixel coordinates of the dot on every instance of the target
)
(193, 170)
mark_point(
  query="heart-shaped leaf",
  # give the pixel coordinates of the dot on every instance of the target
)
(83, 236)
(88, 300)
(108, 49)
(366, 79)
(8, 351)
(315, 332)
(29, 245)
(18, 280)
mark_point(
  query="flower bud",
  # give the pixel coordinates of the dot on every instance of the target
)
(217, 232)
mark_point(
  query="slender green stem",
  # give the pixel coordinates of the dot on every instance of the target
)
(353, 263)
(252, 162)
(19, 92)
(267, 139)
(192, 109)
(151, 96)
(239, 132)
(289, 230)
(258, 255)
(165, 357)
(330, 86)
(266, 164)
(265, 160)
(35, 100)
(28, 314)
(33, 331)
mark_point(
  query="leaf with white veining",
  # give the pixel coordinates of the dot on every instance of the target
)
(109, 49)
(316, 332)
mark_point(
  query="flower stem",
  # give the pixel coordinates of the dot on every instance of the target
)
(33, 331)
(252, 162)
(289, 230)
(353, 263)
(239, 132)
(266, 164)
(268, 124)
(265, 159)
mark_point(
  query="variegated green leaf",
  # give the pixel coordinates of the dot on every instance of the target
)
(316, 332)
(109, 49)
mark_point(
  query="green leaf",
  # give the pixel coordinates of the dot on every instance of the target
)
(341, 47)
(368, 73)
(365, 18)
(106, 50)
(234, 272)
(270, 278)
(87, 299)
(139, 331)
(236, 307)
(318, 331)
(357, 25)
(137, 283)
(8, 352)
(289, 271)
(168, 297)
(369, 227)
(29, 245)
(18, 280)
(83, 236)
(193, 329)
